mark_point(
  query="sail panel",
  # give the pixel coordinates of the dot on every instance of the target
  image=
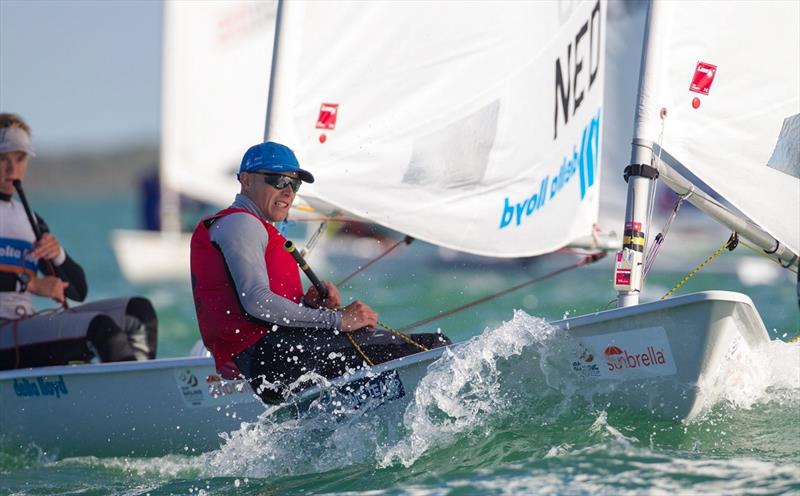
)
(472, 125)
(217, 57)
(728, 76)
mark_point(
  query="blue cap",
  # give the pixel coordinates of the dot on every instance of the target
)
(273, 157)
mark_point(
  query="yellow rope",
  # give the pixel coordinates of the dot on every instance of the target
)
(393, 331)
(359, 350)
(397, 333)
(699, 267)
(402, 336)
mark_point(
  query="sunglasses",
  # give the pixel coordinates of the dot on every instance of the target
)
(279, 181)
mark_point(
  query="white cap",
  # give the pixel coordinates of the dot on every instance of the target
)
(15, 139)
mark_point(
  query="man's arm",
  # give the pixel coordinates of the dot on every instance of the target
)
(242, 240)
(67, 269)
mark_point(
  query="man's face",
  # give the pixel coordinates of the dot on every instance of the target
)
(13, 165)
(274, 203)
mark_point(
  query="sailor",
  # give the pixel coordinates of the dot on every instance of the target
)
(111, 330)
(252, 312)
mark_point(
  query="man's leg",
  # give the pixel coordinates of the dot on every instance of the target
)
(283, 355)
(141, 326)
(109, 340)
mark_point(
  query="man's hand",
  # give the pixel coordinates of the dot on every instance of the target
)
(48, 286)
(47, 248)
(333, 301)
(357, 315)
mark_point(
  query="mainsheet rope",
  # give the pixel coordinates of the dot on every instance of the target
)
(400, 333)
(594, 257)
(729, 245)
(407, 240)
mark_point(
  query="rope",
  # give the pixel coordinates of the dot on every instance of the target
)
(765, 255)
(397, 333)
(651, 201)
(359, 350)
(407, 240)
(400, 332)
(404, 337)
(660, 237)
(587, 260)
(729, 245)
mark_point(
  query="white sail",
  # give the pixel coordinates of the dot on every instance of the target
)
(217, 59)
(728, 75)
(472, 125)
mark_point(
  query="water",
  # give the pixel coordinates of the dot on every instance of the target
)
(498, 416)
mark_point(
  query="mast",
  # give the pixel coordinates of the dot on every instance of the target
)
(646, 165)
(284, 60)
(276, 44)
(640, 173)
(169, 199)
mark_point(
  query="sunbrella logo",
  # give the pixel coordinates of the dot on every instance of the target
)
(618, 358)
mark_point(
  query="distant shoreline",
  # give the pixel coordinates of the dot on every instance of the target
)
(104, 171)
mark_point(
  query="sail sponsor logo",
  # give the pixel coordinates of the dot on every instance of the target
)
(633, 354)
(40, 386)
(327, 116)
(572, 80)
(583, 160)
(703, 77)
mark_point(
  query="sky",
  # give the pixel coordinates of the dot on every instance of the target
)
(85, 74)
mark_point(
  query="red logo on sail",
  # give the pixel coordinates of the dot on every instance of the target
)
(327, 116)
(703, 77)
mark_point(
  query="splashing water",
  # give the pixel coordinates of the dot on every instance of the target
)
(512, 377)
(470, 385)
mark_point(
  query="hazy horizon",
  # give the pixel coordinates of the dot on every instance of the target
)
(86, 75)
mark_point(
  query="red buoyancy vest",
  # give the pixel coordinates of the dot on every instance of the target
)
(226, 329)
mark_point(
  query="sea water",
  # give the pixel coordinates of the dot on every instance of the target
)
(502, 414)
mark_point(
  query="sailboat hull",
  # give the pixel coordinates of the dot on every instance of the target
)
(666, 356)
(149, 408)
(662, 357)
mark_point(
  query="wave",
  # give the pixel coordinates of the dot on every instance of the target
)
(508, 398)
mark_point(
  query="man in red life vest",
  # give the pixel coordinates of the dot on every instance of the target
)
(252, 312)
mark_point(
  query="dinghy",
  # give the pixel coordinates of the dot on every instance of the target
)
(463, 138)
(462, 126)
